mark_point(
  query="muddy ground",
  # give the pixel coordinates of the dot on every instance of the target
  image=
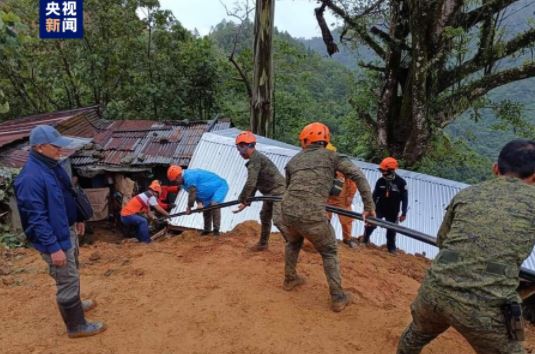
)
(193, 294)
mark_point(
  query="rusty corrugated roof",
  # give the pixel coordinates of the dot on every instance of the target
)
(81, 122)
(143, 143)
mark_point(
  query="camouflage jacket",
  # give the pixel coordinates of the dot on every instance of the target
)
(487, 232)
(262, 175)
(309, 178)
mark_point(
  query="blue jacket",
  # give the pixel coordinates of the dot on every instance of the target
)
(41, 202)
(207, 184)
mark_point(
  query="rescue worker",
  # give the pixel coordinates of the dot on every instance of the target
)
(262, 175)
(52, 223)
(142, 204)
(389, 194)
(164, 196)
(309, 178)
(472, 282)
(206, 189)
(342, 197)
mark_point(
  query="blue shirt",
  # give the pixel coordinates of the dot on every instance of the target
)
(205, 182)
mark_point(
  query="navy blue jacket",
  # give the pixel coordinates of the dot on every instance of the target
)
(41, 199)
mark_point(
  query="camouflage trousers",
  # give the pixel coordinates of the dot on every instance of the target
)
(322, 236)
(266, 217)
(433, 313)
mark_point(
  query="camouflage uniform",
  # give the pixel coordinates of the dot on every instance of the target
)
(487, 232)
(309, 178)
(263, 175)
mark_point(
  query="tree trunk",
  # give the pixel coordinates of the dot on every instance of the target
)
(420, 23)
(262, 98)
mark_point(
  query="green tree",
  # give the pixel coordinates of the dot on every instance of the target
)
(436, 59)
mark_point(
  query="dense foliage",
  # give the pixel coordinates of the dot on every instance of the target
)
(147, 66)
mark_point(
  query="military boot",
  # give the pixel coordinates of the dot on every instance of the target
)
(338, 304)
(290, 284)
(259, 247)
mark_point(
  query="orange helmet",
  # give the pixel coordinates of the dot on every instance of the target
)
(173, 172)
(245, 137)
(155, 186)
(389, 163)
(313, 133)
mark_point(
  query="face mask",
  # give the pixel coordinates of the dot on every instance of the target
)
(389, 175)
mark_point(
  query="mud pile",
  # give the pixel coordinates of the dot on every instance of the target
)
(193, 294)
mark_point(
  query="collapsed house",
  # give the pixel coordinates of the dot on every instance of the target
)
(113, 159)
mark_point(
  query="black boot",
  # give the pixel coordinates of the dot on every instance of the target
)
(77, 326)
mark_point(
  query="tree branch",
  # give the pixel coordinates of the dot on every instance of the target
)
(392, 42)
(478, 62)
(371, 67)
(359, 28)
(470, 19)
(243, 77)
(460, 99)
(325, 32)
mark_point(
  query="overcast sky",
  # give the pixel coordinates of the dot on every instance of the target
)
(294, 16)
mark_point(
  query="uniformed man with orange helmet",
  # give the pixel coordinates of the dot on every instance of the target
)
(142, 204)
(343, 198)
(389, 194)
(309, 179)
(264, 176)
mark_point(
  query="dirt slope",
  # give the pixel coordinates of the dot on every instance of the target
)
(190, 294)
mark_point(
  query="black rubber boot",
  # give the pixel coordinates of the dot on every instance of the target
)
(77, 326)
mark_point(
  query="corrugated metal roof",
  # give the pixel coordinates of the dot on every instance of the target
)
(428, 195)
(143, 144)
(82, 122)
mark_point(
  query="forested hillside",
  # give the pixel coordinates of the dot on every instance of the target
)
(149, 66)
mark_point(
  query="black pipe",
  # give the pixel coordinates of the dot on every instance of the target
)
(525, 274)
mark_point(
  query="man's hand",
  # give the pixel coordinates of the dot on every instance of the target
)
(58, 258)
(366, 215)
(240, 208)
(188, 210)
(151, 216)
(200, 205)
(79, 228)
(402, 218)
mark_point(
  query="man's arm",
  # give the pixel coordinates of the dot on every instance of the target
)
(192, 195)
(253, 170)
(344, 165)
(31, 199)
(160, 210)
(404, 199)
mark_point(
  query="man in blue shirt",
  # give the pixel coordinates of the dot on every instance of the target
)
(204, 187)
(48, 212)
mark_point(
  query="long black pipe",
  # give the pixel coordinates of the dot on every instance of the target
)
(525, 274)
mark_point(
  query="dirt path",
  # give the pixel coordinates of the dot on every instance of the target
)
(190, 294)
